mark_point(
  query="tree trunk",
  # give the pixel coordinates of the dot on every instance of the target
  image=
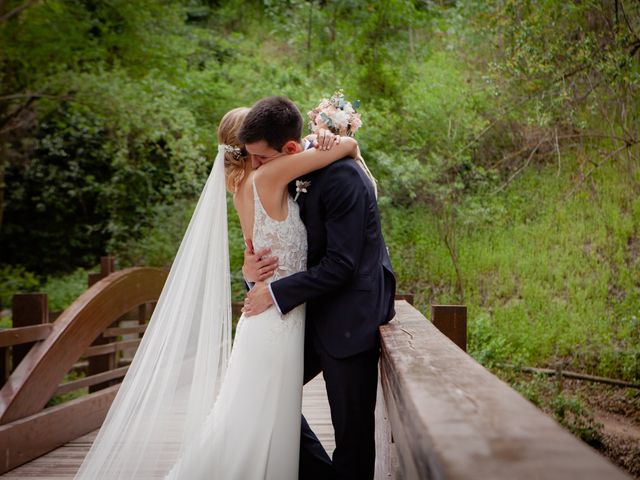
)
(446, 222)
(309, 38)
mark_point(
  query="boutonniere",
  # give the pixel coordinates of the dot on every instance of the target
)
(301, 187)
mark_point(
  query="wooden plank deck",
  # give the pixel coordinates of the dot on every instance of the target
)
(63, 462)
(315, 408)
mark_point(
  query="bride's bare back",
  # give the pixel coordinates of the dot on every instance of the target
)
(274, 203)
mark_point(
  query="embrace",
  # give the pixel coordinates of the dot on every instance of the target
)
(320, 284)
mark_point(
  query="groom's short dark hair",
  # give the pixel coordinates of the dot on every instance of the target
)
(273, 119)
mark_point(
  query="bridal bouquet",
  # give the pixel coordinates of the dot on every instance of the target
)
(336, 114)
(340, 116)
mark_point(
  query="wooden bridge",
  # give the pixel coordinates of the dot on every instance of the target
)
(439, 415)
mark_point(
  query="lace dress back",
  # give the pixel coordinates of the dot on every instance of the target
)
(287, 238)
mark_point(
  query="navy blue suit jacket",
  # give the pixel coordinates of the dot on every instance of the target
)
(349, 286)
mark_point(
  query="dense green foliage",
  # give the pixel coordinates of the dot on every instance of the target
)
(504, 135)
(546, 278)
(97, 129)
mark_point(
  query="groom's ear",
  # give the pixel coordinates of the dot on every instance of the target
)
(290, 147)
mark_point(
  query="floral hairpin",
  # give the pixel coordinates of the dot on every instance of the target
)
(235, 151)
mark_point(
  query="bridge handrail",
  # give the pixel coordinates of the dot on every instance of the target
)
(36, 378)
(450, 418)
(21, 335)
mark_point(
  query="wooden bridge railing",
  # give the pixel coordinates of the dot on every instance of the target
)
(450, 418)
(86, 337)
(441, 414)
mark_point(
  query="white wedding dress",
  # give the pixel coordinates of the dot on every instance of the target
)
(190, 405)
(253, 430)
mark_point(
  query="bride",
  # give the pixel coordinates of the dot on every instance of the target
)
(190, 407)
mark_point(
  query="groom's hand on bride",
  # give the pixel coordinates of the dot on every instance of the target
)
(258, 300)
(257, 265)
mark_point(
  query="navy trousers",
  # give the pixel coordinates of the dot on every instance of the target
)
(351, 389)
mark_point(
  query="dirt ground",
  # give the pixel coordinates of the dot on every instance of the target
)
(617, 411)
(604, 416)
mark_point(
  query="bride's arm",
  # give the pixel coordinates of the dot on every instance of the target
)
(283, 170)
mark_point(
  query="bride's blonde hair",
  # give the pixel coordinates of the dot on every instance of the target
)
(236, 158)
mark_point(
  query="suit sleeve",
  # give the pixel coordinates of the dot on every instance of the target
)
(345, 203)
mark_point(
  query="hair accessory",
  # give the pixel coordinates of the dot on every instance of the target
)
(235, 151)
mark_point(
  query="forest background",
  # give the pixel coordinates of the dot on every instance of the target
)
(504, 135)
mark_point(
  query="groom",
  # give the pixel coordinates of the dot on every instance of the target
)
(349, 290)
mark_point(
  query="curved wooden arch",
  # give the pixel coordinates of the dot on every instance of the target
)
(37, 377)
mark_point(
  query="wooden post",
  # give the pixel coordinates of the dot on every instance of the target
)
(142, 314)
(101, 363)
(27, 309)
(107, 266)
(452, 321)
(126, 356)
(4, 364)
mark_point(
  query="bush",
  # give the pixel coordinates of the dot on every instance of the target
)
(63, 291)
(15, 279)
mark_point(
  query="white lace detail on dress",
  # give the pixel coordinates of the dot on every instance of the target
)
(287, 238)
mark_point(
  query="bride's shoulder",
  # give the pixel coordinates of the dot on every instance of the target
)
(244, 191)
(262, 180)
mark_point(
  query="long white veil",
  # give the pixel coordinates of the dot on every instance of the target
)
(177, 371)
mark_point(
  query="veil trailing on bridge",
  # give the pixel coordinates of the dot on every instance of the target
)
(175, 376)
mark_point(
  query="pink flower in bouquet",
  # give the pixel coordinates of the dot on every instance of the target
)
(356, 122)
(335, 114)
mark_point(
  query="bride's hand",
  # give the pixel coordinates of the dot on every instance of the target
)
(258, 300)
(325, 139)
